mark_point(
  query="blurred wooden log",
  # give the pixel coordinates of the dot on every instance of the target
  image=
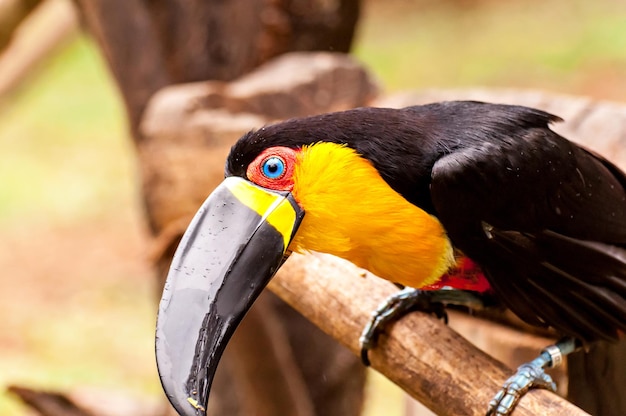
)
(419, 353)
(149, 45)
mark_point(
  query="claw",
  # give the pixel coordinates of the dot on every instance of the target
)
(392, 309)
(409, 300)
(528, 376)
(531, 376)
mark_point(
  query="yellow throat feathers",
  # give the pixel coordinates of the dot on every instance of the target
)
(352, 213)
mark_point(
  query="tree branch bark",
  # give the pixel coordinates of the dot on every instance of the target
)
(427, 359)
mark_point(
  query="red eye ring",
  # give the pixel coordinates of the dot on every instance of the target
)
(273, 168)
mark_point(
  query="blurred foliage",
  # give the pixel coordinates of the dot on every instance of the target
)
(573, 46)
(65, 151)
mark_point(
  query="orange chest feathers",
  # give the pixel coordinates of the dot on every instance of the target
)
(352, 213)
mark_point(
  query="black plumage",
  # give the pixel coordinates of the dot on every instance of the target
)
(544, 217)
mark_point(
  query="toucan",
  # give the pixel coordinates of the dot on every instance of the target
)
(408, 194)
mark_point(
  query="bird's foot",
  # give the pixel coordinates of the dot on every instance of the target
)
(392, 309)
(409, 300)
(529, 376)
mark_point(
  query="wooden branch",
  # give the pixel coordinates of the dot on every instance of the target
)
(427, 359)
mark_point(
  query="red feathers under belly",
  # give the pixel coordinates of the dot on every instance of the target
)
(467, 275)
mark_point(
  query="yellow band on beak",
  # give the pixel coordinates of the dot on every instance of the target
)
(273, 207)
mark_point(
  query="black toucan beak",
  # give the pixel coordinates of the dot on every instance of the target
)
(234, 245)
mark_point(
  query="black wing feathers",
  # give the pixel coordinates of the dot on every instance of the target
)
(547, 221)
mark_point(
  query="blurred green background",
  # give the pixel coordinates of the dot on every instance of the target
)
(76, 297)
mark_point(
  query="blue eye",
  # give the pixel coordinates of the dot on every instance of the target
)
(273, 167)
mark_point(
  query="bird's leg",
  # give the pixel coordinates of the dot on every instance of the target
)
(531, 375)
(408, 300)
